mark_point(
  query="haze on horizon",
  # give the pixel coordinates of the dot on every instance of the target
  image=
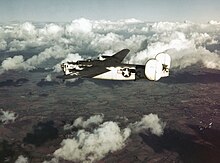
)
(146, 10)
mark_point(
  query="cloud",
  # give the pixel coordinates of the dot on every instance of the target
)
(79, 26)
(27, 30)
(84, 38)
(79, 122)
(16, 45)
(52, 52)
(48, 78)
(188, 57)
(51, 31)
(88, 147)
(213, 22)
(3, 45)
(149, 122)
(7, 116)
(183, 51)
(96, 119)
(53, 160)
(15, 63)
(22, 159)
(91, 146)
(18, 62)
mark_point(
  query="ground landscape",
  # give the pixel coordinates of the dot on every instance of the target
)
(43, 119)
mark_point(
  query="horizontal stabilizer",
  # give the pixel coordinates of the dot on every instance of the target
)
(158, 67)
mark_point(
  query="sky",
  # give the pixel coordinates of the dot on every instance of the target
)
(146, 10)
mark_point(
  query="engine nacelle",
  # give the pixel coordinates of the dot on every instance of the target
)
(158, 67)
(70, 68)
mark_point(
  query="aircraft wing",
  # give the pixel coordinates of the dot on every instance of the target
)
(118, 57)
(87, 72)
(90, 72)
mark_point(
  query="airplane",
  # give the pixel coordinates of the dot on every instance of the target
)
(112, 68)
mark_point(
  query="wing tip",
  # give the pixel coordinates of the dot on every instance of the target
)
(126, 50)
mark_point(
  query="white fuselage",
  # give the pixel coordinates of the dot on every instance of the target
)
(118, 73)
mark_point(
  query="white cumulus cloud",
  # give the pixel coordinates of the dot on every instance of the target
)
(89, 38)
(108, 137)
(79, 26)
(3, 45)
(80, 122)
(149, 122)
(7, 116)
(88, 147)
(22, 159)
(15, 63)
(51, 31)
(48, 78)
